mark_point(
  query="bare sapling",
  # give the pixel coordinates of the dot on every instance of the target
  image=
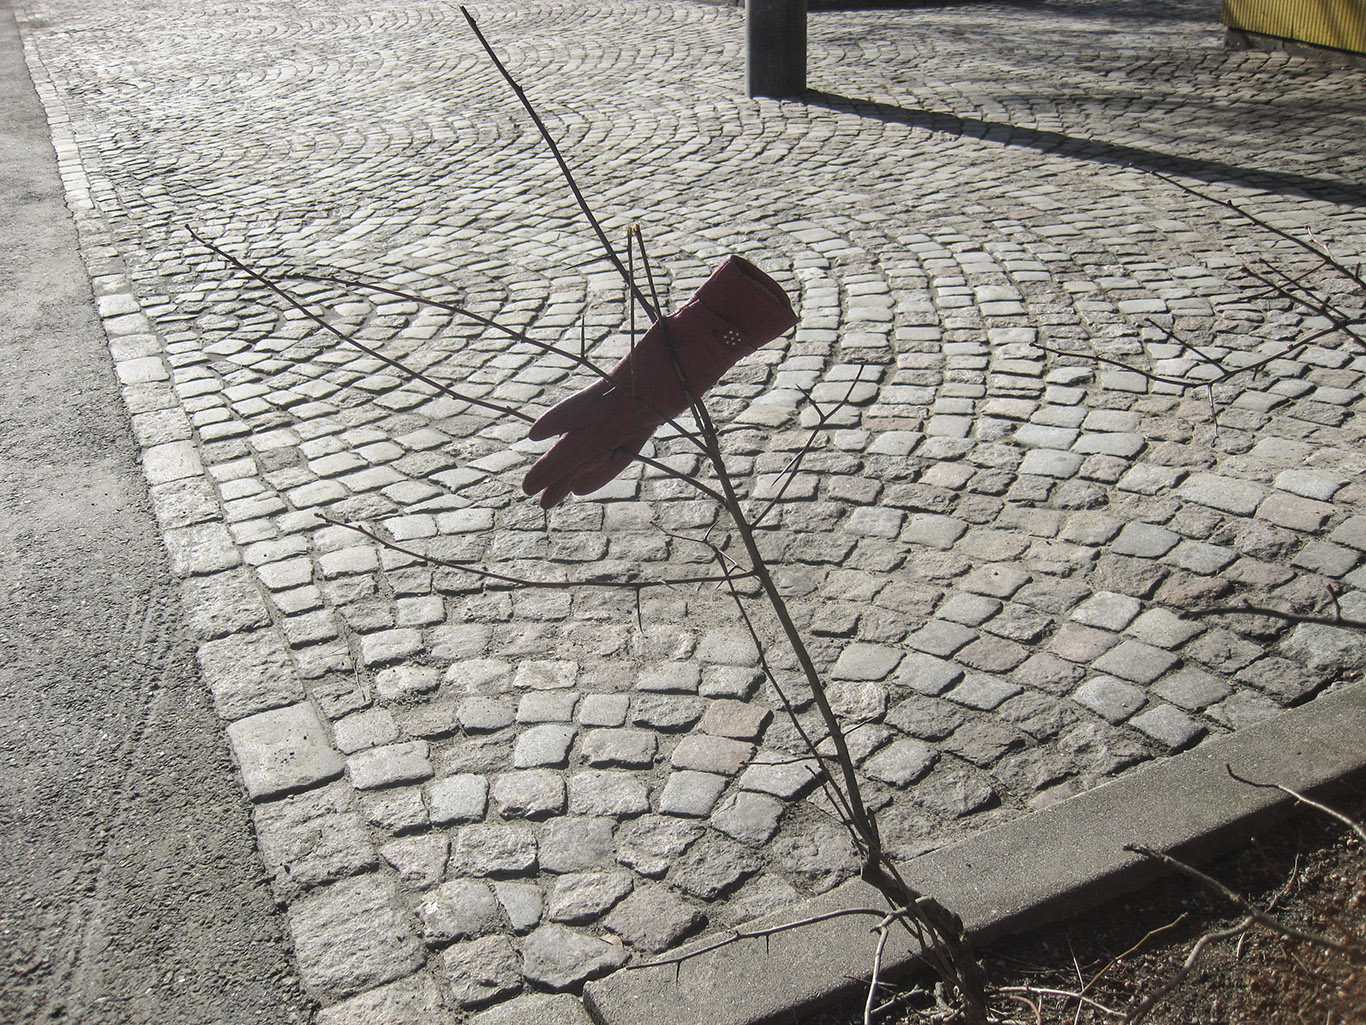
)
(662, 383)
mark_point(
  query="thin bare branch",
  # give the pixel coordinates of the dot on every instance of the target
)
(789, 472)
(1069, 994)
(651, 310)
(440, 386)
(1346, 820)
(1157, 996)
(488, 574)
(1289, 617)
(1320, 251)
(874, 979)
(758, 934)
(1134, 949)
(1238, 900)
(832, 791)
(579, 359)
(687, 478)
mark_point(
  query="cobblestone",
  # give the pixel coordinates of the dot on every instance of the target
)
(282, 750)
(653, 919)
(558, 957)
(351, 937)
(482, 970)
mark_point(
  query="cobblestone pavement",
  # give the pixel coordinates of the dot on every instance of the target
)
(466, 793)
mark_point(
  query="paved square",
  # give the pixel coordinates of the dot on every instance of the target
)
(468, 792)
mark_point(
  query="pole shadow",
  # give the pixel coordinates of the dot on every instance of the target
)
(1093, 150)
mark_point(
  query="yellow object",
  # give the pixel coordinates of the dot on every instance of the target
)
(1337, 23)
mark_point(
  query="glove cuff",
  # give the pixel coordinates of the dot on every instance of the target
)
(752, 305)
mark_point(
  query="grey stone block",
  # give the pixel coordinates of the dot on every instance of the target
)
(653, 919)
(737, 720)
(650, 843)
(557, 957)
(902, 762)
(691, 793)
(607, 792)
(419, 860)
(1145, 541)
(862, 661)
(542, 706)
(1192, 688)
(547, 745)
(671, 678)
(667, 712)
(522, 903)
(482, 971)
(492, 849)
(352, 937)
(1169, 726)
(1107, 610)
(399, 683)
(580, 897)
(1226, 494)
(1134, 660)
(400, 810)
(283, 749)
(535, 1009)
(531, 794)
(982, 691)
(711, 867)
(620, 748)
(703, 753)
(927, 674)
(312, 838)
(369, 728)
(1111, 698)
(390, 765)
(249, 673)
(576, 843)
(415, 998)
(459, 798)
(481, 714)
(749, 817)
(603, 709)
(546, 674)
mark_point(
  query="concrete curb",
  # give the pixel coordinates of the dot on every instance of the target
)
(1038, 869)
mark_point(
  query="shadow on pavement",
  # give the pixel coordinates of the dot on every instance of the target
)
(1094, 150)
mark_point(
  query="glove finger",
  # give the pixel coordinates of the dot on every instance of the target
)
(561, 462)
(571, 413)
(555, 494)
(600, 472)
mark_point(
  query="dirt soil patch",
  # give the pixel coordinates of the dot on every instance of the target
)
(1310, 872)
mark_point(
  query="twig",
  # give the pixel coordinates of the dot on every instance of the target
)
(789, 473)
(1289, 617)
(1320, 252)
(1118, 958)
(445, 389)
(1069, 994)
(1346, 820)
(650, 309)
(579, 359)
(873, 983)
(1153, 999)
(1240, 901)
(757, 934)
(479, 571)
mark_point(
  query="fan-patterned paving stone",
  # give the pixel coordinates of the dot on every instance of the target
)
(470, 793)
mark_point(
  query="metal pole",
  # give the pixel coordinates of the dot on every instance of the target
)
(775, 48)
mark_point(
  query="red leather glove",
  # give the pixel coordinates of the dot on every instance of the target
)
(737, 309)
